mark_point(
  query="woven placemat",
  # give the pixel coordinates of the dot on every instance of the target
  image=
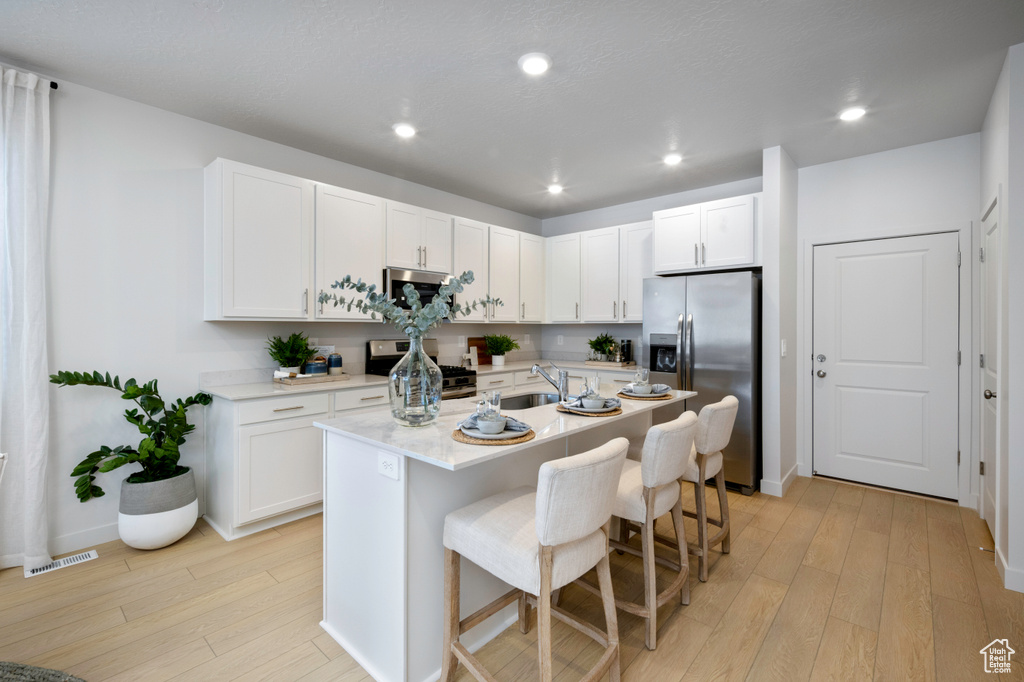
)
(667, 396)
(458, 435)
(563, 408)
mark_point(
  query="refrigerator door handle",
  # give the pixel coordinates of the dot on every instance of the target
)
(679, 355)
(689, 353)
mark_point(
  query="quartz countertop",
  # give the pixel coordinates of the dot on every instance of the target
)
(433, 443)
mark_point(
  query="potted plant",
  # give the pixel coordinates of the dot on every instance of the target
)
(291, 353)
(158, 504)
(498, 345)
(602, 346)
(414, 384)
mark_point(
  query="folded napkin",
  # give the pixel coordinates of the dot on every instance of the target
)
(578, 402)
(655, 388)
(511, 423)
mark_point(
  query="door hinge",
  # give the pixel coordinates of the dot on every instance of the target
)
(959, 259)
(981, 254)
(981, 361)
(958, 457)
(981, 468)
(958, 358)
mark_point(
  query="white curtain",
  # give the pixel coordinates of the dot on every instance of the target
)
(24, 387)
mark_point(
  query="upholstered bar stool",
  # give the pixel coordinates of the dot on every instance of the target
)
(714, 429)
(538, 541)
(649, 489)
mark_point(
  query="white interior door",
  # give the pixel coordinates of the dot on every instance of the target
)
(990, 236)
(885, 345)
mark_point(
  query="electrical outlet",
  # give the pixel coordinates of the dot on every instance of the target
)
(312, 340)
(561, 340)
(782, 346)
(462, 342)
(526, 339)
(387, 465)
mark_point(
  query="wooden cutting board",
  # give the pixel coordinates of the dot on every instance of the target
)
(483, 357)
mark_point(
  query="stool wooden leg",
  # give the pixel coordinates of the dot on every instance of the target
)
(449, 662)
(701, 497)
(723, 507)
(684, 564)
(604, 579)
(544, 614)
(650, 576)
(524, 613)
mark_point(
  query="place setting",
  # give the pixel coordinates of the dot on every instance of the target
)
(590, 403)
(642, 389)
(487, 426)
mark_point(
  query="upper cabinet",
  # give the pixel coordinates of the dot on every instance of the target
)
(418, 238)
(712, 235)
(471, 253)
(504, 273)
(349, 241)
(599, 253)
(636, 262)
(563, 283)
(259, 229)
(531, 278)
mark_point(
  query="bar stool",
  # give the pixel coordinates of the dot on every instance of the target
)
(714, 428)
(649, 489)
(538, 541)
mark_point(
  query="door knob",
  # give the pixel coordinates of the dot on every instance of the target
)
(989, 394)
(821, 373)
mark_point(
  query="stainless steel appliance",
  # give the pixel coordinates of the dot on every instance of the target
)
(703, 333)
(383, 354)
(425, 283)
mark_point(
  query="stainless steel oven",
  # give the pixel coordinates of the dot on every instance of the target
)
(426, 285)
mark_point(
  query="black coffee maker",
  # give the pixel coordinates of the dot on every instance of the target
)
(626, 348)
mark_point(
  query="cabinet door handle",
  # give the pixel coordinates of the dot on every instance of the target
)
(419, 256)
(320, 298)
(372, 397)
(703, 254)
(305, 302)
(696, 255)
(424, 256)
(615, 310)
(623, 308)
(524, 310)
(577, 311)
(288, 409)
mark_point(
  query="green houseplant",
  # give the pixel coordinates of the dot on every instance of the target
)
(290, 353)
(414, 384)
(602, 345)
(498, 345)
(164, 426)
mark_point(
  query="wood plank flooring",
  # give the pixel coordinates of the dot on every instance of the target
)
(830, 582)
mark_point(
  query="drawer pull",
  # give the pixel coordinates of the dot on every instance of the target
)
(496, 381)
(622, 381)
(288, 409)
(372, 397)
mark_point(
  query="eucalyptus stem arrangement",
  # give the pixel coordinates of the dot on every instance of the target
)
(419, 318)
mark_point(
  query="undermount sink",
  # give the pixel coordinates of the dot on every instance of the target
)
(522, 402)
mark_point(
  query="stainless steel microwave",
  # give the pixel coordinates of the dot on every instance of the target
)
(426, 284)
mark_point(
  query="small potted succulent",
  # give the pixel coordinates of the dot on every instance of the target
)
(291, 353)
(498, 345)
(602, 346)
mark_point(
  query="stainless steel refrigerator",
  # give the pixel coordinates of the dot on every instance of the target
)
(703, 333)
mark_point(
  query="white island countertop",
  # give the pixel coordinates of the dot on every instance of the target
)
(434, 444)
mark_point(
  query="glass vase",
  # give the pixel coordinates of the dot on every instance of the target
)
(414, 386)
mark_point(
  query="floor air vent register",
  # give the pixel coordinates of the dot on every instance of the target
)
(61, 563)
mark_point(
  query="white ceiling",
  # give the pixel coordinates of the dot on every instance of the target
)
(717, 80)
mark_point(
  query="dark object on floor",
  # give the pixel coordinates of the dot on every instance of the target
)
(17, 672)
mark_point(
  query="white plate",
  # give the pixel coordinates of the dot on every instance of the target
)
(504, 435)
(644, 395)
(596, 410)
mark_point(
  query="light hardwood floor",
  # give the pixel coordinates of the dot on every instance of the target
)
(830, 582)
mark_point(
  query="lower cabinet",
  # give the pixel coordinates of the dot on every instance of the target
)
(279, 468)
(495, 382)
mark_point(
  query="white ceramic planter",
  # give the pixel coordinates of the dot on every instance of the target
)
(498, 360)
(157, 514)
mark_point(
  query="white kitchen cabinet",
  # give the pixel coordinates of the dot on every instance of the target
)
(360, 398)
(636, 255)
(503, 381)
(531, 278)
(258, 234)
(526, 380)
(563, 281)
(418, 238)
(471, 253)
(599, 255)
(503, 274)
(713, 235)
(349, 241)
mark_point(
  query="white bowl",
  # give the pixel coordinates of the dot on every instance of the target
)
(641, 389)
(593, 403)
(490, 426)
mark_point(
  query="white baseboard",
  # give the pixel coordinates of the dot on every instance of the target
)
(779, 488)
(83, 539)
(1013, 578)
(263, 524)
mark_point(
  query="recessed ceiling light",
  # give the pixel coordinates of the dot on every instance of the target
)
(555, 189)
(535, 63)
(404, 130)
(672, 159)
(853, 114)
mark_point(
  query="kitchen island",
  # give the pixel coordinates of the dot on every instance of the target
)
(387, 489)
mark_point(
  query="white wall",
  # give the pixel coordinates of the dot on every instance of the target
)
(926, 187)
(126, 276)
(778, 322)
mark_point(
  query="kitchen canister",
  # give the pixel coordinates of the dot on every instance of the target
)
(317, 365)
(334, 364)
